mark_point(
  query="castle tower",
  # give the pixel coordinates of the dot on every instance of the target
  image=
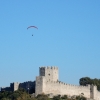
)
(46, 74)
(50, 73)
(14, 86)
(93, 92)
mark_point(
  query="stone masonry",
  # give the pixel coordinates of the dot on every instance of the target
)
(47, 82)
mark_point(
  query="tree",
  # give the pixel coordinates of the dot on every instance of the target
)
(80, 98)
(58, 97)
(86, 80)
(42, 97)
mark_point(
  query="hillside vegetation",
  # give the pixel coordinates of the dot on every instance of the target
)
(21, 94)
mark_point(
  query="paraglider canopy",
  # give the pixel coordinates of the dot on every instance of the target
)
(32, 27)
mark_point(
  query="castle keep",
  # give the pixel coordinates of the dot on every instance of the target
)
(48, 83)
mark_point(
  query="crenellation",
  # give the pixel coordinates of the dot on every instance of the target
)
(48, 67)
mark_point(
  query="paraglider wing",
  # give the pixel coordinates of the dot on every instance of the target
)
(32, 27)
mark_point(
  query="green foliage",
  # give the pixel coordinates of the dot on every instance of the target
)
(57, 97)
(86, 80)
(5, 99)
(64, 97)
(42, 97)
(80, 98)
(21, 94)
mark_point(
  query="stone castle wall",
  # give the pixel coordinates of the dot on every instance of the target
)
(66, 89)
(39, 85)
(60, 88)
(48, 83)
(29, 86)
(98, 95)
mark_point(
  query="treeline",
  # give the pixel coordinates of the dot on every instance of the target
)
(86, 80)
(21, 94)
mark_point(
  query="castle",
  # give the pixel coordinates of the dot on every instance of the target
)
(48, 83)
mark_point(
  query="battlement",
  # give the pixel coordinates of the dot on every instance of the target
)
(48, 67)
(15, 83)
(68, 85)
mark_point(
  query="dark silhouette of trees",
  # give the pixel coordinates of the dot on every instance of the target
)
(86, 80)
(20, 94)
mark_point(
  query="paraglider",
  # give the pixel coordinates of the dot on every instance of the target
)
(32, 27)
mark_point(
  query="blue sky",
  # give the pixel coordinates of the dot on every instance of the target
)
(68, 36)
